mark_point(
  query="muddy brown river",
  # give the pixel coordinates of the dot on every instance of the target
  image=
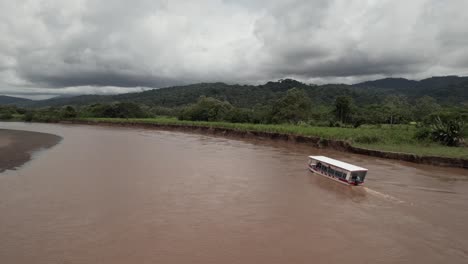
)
(130, 195)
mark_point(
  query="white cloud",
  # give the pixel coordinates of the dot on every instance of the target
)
(64, 46)
(45, 93)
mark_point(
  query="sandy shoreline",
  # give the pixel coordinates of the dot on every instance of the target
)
(16, 146)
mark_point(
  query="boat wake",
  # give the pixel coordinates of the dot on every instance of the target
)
(383, 196)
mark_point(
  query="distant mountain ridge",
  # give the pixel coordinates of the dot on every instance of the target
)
(442, 88)
(389, 83)
(402, 83)
(10, 100)
(445, 89)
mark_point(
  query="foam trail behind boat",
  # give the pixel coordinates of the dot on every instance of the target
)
(383, 195)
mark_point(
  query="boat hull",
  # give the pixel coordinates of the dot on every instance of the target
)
(345, 182)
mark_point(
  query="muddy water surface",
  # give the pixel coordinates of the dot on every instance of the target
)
(121, 195)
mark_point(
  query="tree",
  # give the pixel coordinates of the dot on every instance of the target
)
(6, 115)
(370, 114)
(424, 107)
(207, 109)
(343, 108)
(28, 116)
(321, 113)
(291, 108)
(396, 108)
(262, 114)
(6, 112)
(118, 110)
(240, 115)
(69, 112)
(128, 110)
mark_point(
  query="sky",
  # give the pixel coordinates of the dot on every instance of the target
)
(56, 47)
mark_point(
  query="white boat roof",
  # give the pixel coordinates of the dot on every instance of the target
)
(337, 163)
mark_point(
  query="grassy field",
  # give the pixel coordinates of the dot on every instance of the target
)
(388, 138)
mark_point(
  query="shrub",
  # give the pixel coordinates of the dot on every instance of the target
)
(69, 112)
(302, 124)
(239, 115)
(164, 111)
(365, 139)
(118, 110)
(449, 132)
(206, 109)
(357, 123)
(422, 134)
(28, 116)
(332, 123)
(5, 115)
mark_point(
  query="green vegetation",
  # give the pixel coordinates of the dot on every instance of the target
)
(447, 90)
(118, 110)
(207, 109)
(291, 108)
(11, 113)
(449, 132)
(389, 114)
(343, 108)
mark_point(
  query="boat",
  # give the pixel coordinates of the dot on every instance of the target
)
(339, 171)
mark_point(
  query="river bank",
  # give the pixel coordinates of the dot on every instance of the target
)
(275, 133)
(17, 146)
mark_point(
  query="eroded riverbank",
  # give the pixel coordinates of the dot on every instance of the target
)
(17, 146)
(316, 142)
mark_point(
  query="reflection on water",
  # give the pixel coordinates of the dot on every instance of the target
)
(122, 195)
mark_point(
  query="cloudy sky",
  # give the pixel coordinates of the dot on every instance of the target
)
(54, 47)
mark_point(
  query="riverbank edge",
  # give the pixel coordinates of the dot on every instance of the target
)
(316, 142)
(23, 145)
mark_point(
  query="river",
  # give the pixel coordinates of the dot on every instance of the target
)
(131, 195)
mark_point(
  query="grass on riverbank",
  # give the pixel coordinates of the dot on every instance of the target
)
(388, 138)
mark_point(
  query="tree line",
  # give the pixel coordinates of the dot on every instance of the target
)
(440, 123)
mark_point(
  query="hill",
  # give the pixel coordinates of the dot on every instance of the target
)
(237, 95)
(9, 100)
(390, 83)
(446, 90)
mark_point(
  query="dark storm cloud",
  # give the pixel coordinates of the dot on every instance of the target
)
(100, 79)
(99, 46)
(355, 63)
